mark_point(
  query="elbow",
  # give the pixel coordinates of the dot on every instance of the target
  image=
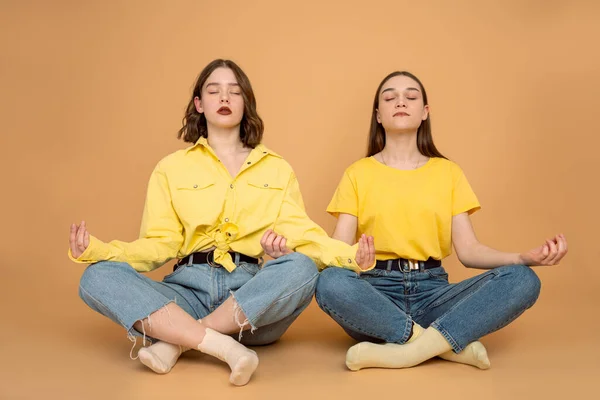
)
(465, 255)
(464, 260)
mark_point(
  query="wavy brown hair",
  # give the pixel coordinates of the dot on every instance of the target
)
(194, 123)
(377, 133)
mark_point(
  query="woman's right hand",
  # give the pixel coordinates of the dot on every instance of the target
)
(79, 239)
(274, 245)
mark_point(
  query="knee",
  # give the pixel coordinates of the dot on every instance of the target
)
(330, 283)
(98, 276)
(302, 269)
(526, 283)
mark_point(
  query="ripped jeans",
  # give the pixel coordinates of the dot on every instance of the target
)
(270, 297)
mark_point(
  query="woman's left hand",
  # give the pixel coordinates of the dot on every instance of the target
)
(550, 253)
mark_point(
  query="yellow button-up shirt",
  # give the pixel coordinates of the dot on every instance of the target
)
(193, 204)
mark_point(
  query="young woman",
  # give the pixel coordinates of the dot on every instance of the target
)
(416, 203)
(211, 205)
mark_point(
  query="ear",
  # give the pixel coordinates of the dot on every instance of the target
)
(198, 104)
(425, 113)
(378, 116)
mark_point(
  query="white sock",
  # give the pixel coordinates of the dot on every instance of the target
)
(161, 356)
(242, 361)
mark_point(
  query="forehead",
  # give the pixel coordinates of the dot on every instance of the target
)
(400, 83)
(222, 76)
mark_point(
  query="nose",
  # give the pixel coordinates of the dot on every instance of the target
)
(400, 103)
(224, 98)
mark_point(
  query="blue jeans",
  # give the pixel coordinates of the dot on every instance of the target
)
(380, 305)
(270, 297)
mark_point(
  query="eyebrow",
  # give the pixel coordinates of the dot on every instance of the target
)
(218, 84)
(390, 89)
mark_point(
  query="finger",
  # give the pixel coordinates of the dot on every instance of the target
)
(552, 250)
(263, 240)
(269, 243)
(561, 246)
(565, 242)
(83, 233)
(277, 242)
(73, 239)
(86, 239)
(285, 250)
(80, 233)
(371, 245)
(358, 257)
(545, 251)
(282, 243)
(361, 248)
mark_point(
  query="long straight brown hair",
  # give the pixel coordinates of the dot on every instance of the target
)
(194, 123)
(377, 133)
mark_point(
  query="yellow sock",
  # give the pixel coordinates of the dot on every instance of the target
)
(426, 345)
(473, 354)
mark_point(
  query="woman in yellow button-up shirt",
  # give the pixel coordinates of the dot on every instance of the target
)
(213, 206)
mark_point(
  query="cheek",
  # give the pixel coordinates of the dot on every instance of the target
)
(209, 104)
(386, 110)
(239, 105)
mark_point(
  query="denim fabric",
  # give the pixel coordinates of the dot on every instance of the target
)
(380, 305)
(271, 297)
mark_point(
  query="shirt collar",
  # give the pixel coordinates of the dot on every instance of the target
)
(261, 149)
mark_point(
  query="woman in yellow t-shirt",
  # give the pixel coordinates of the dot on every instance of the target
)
(213, 205)
(416, 204)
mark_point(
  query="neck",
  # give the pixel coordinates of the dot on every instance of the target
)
(401, 146)
(224, 140)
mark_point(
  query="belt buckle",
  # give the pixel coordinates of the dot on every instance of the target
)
(414, 265)
(404, 265)
(410, 265)
(210, 259)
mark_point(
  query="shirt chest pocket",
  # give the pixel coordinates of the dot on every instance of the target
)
(262, 199)
(198, 202)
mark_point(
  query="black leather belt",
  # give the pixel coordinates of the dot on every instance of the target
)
(209, 258)
(404, 265)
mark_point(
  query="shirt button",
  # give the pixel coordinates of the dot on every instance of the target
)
(226, 219)
(266, 185)
(349, 261)
(195, 186)
(249, 162)
(231, 186)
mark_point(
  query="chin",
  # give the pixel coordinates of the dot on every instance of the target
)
(402, 128)
(225, 122)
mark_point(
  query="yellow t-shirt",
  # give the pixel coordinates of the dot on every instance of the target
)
(409, 213)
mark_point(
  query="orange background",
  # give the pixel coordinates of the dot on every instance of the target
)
(92, 97)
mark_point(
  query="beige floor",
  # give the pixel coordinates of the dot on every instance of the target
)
(65, 351)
